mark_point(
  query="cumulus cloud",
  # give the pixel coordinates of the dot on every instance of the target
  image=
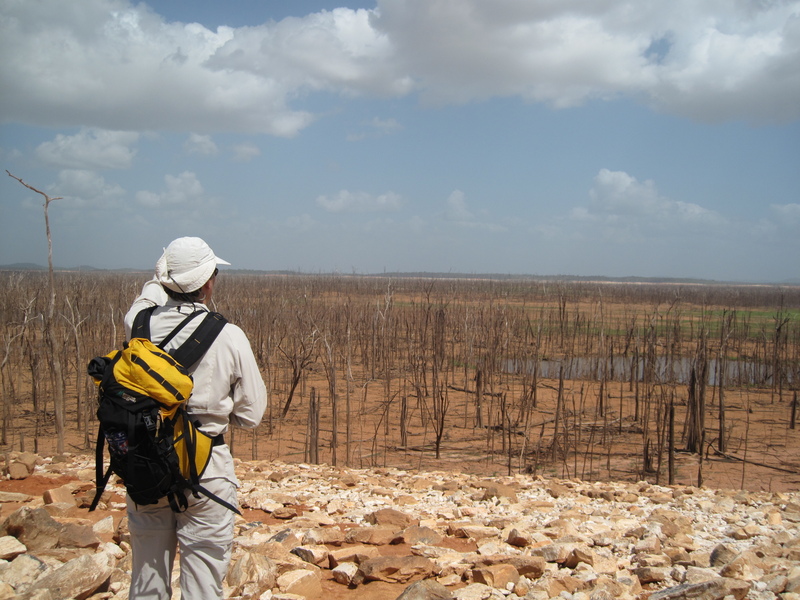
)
(200, 144)
(375, 128)
(245, 152)
(456, 211)
(617, 195)
(180, 190)
(622, 207)
(346, 201)
(457, 207)
(787, 213)
(90, 149)
(689, 57)
(120, 66)
(87, 189)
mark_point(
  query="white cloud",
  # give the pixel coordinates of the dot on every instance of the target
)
(617, 195)
(701, 58)
(787, 213)
(623, 209)
(338, 50)
(90, 149)
(301, 223)
(375, 128)
(457, 207)
(87, 189)
(200, 144)
(246, 152)
(456, 211)
(616, 192)
(346, 201)
(181, 190)
(118, 65)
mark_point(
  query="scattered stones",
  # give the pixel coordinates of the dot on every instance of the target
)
(437, 536)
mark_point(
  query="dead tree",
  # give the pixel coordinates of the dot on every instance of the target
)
(7, 389)
(696, 402)
(299, 356)
(54, 357)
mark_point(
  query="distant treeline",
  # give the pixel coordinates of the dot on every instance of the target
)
(438, 275)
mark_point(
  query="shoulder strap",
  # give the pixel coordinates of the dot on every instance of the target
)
(175, 331)
(198, 343)
(201, 339)
(141, 324)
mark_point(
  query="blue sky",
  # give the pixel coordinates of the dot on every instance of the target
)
(613, 138)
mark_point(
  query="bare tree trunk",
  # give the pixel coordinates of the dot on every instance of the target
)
(6, 379)
(559, 403)
(54, 355)
(671, 460)
(695, 418)
(312, 431)
(82, 414)
(479, 398)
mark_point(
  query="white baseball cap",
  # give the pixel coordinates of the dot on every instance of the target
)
(186, 265)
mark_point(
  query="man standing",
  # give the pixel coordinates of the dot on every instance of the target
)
(228, 388)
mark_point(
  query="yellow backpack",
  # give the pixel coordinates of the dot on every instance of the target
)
(154, 446)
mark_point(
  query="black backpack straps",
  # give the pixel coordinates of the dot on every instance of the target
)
(200, 341)
(102, 478)
(181, 325)
(216, 499)
(141, 324)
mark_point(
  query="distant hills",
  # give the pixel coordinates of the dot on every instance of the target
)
(433, 275)
(35, 267)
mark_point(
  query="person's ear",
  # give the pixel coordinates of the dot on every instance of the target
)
(206, 289)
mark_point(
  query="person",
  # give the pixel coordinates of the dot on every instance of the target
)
(228, 389)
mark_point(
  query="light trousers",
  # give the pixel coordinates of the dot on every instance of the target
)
(203, 534)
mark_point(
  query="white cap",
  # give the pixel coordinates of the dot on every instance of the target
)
(186, 265)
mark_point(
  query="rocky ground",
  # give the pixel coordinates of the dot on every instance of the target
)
(389, 534)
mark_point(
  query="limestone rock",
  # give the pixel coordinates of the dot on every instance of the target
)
(14, 497)
(427, 589)
(478, 591)
(22, 571)
(499, 490)
(314, 554)
(251, 575)
(11, 547)
(17, 470)
(60, 494)
(390, 517)
(77, 578)
(715, 589)
(301, 582)
(353, 554)
(33, 527)
(418, 535)
(324, 535)
(394, 569)
(380, 535)
(345, 573)
(496, 576)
